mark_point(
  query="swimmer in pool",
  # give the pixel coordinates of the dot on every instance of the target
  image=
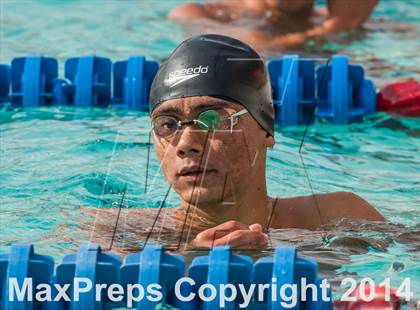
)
(213, 121)
(275, 24)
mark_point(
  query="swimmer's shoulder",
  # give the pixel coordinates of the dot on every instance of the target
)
(310, 212)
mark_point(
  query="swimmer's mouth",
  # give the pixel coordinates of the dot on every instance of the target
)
(194, 172)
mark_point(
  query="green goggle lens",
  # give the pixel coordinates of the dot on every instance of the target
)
(209, 120)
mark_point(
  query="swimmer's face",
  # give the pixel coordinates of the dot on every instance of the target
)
(206, 167)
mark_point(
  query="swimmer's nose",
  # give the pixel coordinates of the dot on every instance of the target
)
(191, 142)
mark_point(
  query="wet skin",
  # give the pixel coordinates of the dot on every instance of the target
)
(220, 176)
(274, 24)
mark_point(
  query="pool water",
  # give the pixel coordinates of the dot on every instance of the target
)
(57, 161)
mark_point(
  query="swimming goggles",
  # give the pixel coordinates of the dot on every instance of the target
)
(210, 120)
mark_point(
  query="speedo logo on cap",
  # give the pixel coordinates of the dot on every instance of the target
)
(179, 76)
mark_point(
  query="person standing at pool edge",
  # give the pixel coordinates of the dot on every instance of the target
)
(213, 120)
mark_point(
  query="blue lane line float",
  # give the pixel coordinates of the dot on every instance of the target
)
(153, 266)
(342, 91)
(292, 81)
(286, 268)
(345, 95)
(90, 81)
(61, 96)
(4, 82)
(89, 262)
(132, 81)
(221, 267)
(32, 80)
(20, 264)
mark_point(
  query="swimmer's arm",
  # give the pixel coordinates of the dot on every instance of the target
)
(189, 12)
(346, 15)
(343, 15)
(234, 233)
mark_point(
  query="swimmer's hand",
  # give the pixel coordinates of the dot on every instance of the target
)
(233, 233)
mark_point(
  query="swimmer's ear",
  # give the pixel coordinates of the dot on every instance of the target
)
(269, 140)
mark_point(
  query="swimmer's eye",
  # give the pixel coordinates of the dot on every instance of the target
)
(165, 126)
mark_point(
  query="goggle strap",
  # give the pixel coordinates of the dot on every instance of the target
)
(239, 113)
(189, 122)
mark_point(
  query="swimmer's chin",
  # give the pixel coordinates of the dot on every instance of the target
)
(202, 195)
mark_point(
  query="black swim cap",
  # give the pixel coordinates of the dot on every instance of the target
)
(216, 66)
